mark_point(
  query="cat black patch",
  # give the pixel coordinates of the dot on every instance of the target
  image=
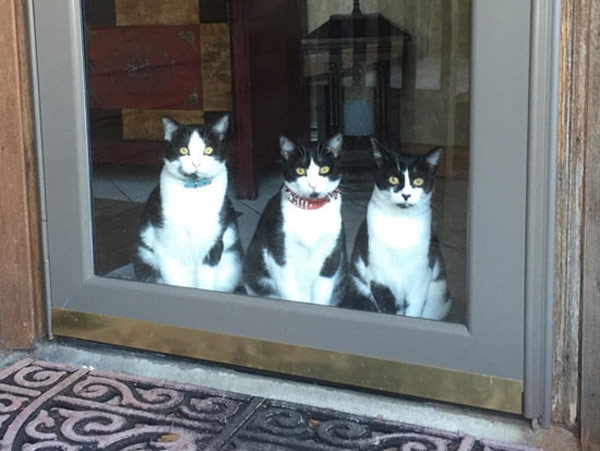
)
(332, 263)
(361, 244)
(356, 300)
(273, 221)
(153, 210)
(269, 236)
(228, 214)
(385, 300)
(435, 256)
(214, 255)
(144, 272)
(151, 215)
(434, 250)
(228, 217)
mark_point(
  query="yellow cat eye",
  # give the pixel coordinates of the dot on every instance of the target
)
(418, 181)
(184, 151)
(208, 151)
(300, 171)
(324, 170)
(394, 180)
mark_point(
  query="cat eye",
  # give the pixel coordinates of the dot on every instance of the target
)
(184, 151)
(300, 171)
(394, 180)
(324, 170)
(418, 181)
(208, 151)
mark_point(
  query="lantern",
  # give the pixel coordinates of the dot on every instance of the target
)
(353, 67)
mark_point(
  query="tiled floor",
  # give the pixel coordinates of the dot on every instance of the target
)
(133, 184)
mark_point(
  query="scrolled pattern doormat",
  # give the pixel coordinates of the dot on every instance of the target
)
(49, 406)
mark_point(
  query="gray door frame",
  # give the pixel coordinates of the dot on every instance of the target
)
(513, 110)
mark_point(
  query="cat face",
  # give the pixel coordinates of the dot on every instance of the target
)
(405, 180)
(195, 151)
(312, 169)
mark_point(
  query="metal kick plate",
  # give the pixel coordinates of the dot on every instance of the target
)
(489, 392)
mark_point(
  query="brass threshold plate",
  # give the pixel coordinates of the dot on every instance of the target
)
(469, 389)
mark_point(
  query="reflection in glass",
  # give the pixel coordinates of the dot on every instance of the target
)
(378, 224)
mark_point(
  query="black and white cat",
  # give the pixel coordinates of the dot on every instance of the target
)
(396, 264)
(298, 251)
(189, 234)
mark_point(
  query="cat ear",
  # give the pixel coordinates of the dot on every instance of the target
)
(379, 151)
(433, 156)
(334, 144)
(287, 146)
(220, 127)
(170, 127)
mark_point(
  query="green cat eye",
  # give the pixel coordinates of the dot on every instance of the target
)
(394, 180)
(208, 151)
(184, 151)
(300, 171)
(324, 170)
(418, 181)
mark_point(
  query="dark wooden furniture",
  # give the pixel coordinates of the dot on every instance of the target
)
(267, 74)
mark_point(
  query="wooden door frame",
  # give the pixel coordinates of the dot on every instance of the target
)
(577, 246)
(22, 306)
(22, 310)
(587, 138)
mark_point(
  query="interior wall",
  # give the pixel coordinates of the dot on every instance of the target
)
(435, 93)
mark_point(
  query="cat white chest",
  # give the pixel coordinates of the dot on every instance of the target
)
(314, 230)
(310, 238)
(399, 247)
(399, 231)
(191, 216)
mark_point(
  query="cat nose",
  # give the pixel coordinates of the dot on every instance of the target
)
(406, 196)
(312, 185)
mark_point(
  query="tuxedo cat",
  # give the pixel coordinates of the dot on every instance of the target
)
(189, 234)
(396, 264)
(298, 251)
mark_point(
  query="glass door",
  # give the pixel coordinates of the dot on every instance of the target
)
(330, 189)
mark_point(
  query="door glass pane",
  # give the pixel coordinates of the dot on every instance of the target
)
(302, 150)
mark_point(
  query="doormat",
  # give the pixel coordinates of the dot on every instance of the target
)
(49, 406)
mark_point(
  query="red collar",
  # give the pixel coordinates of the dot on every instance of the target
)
(310, 203)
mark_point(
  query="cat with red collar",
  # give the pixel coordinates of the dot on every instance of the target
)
(298, 251)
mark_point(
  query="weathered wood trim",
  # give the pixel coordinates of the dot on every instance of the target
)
(576, 390)
(590, 331)
(569, 208)
(21, 300)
